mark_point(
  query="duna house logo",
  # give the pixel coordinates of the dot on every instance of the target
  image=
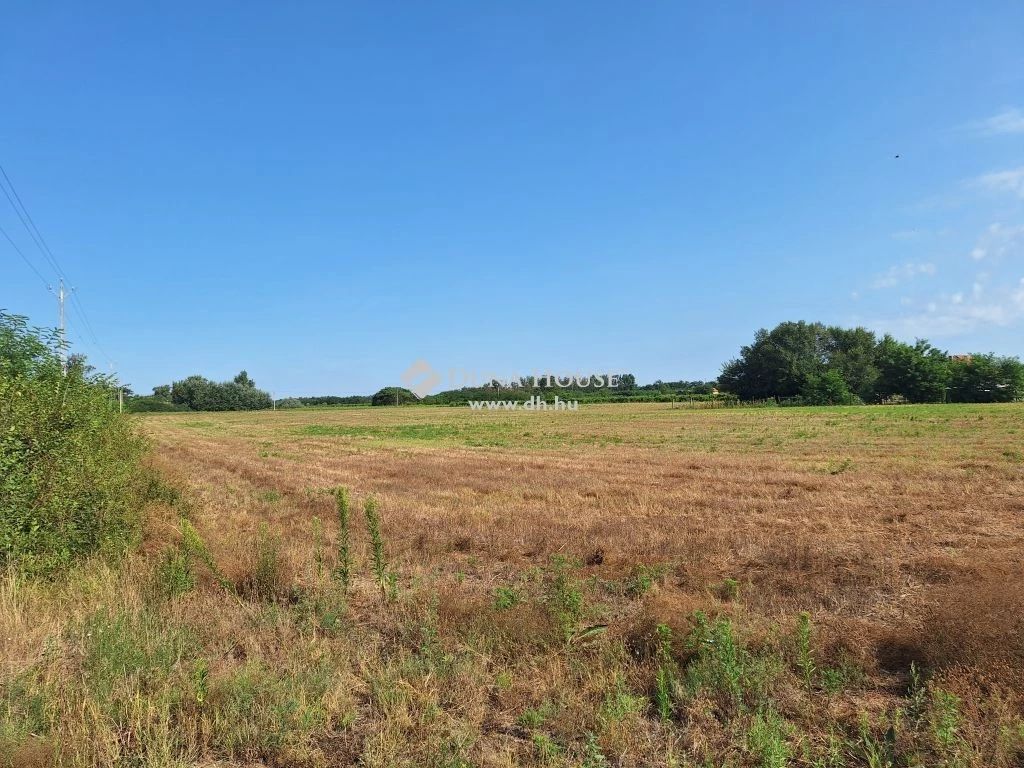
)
(420, 378)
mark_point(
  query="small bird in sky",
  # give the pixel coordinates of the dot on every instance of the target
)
(896, 157)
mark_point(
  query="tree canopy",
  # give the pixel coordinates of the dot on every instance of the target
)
(198, 393)
(826, 365)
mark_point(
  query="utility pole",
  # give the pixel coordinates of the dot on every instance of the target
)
(63, 339)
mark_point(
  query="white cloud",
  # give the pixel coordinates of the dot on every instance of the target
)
(1010, 180)
(896, 275)
(1008, 121)
(998, 241)
(989, 298)
(948, 315)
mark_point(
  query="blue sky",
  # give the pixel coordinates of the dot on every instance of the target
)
(323, 193)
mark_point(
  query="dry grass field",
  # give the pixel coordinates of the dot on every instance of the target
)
(627, 585)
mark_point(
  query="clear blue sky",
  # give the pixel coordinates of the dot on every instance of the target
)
(323, 193)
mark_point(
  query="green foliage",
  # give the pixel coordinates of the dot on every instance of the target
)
(814, 364)
(643, 579)
(719, 663)
(665, 678)
(804, 655)
(768, 740)
(393, 396)
(563, 598)
(985, 379)
(174, 575)
(918, 373)
(826, 388)
(727, 589)
(663, 693)
(343, 569)
(262, 709)
(318, 547)
(150, 404)
(547, 749)
(876, 752)
(506, 598)
(620, 703)
(124, 654)
(201, 680)
(592, 755)
(200, 394)
(322, 400)
(71, 481)
(851, 353)
(836, 679)
(626, 391)
(779, 362)
(380, 563)
(945, 719)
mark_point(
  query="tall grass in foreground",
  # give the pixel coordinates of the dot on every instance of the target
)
(183, 677)
(385, 578)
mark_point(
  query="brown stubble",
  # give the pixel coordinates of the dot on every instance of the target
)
(882, 523)
(862, 541)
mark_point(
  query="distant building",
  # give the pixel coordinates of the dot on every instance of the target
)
(961, 358)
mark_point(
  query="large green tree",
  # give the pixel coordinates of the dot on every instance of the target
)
(917, 372)
(778, 363)
(985, 379)
(851, 354)
(826, 364)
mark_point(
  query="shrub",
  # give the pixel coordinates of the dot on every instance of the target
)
(200, 394)
(150, 404)
(71, 483)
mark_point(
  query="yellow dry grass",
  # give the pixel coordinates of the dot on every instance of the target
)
(898, 529)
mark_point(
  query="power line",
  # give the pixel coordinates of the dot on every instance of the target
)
(33, 230)
(25, 258)
(44, 248)
(76, 305)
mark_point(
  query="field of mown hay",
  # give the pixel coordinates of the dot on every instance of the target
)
(627, 585)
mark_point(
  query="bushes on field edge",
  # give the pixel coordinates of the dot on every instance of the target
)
(71, 482)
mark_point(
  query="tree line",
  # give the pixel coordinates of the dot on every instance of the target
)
(815, 364)
(626, 391)
(796, 363)
(197, 393)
